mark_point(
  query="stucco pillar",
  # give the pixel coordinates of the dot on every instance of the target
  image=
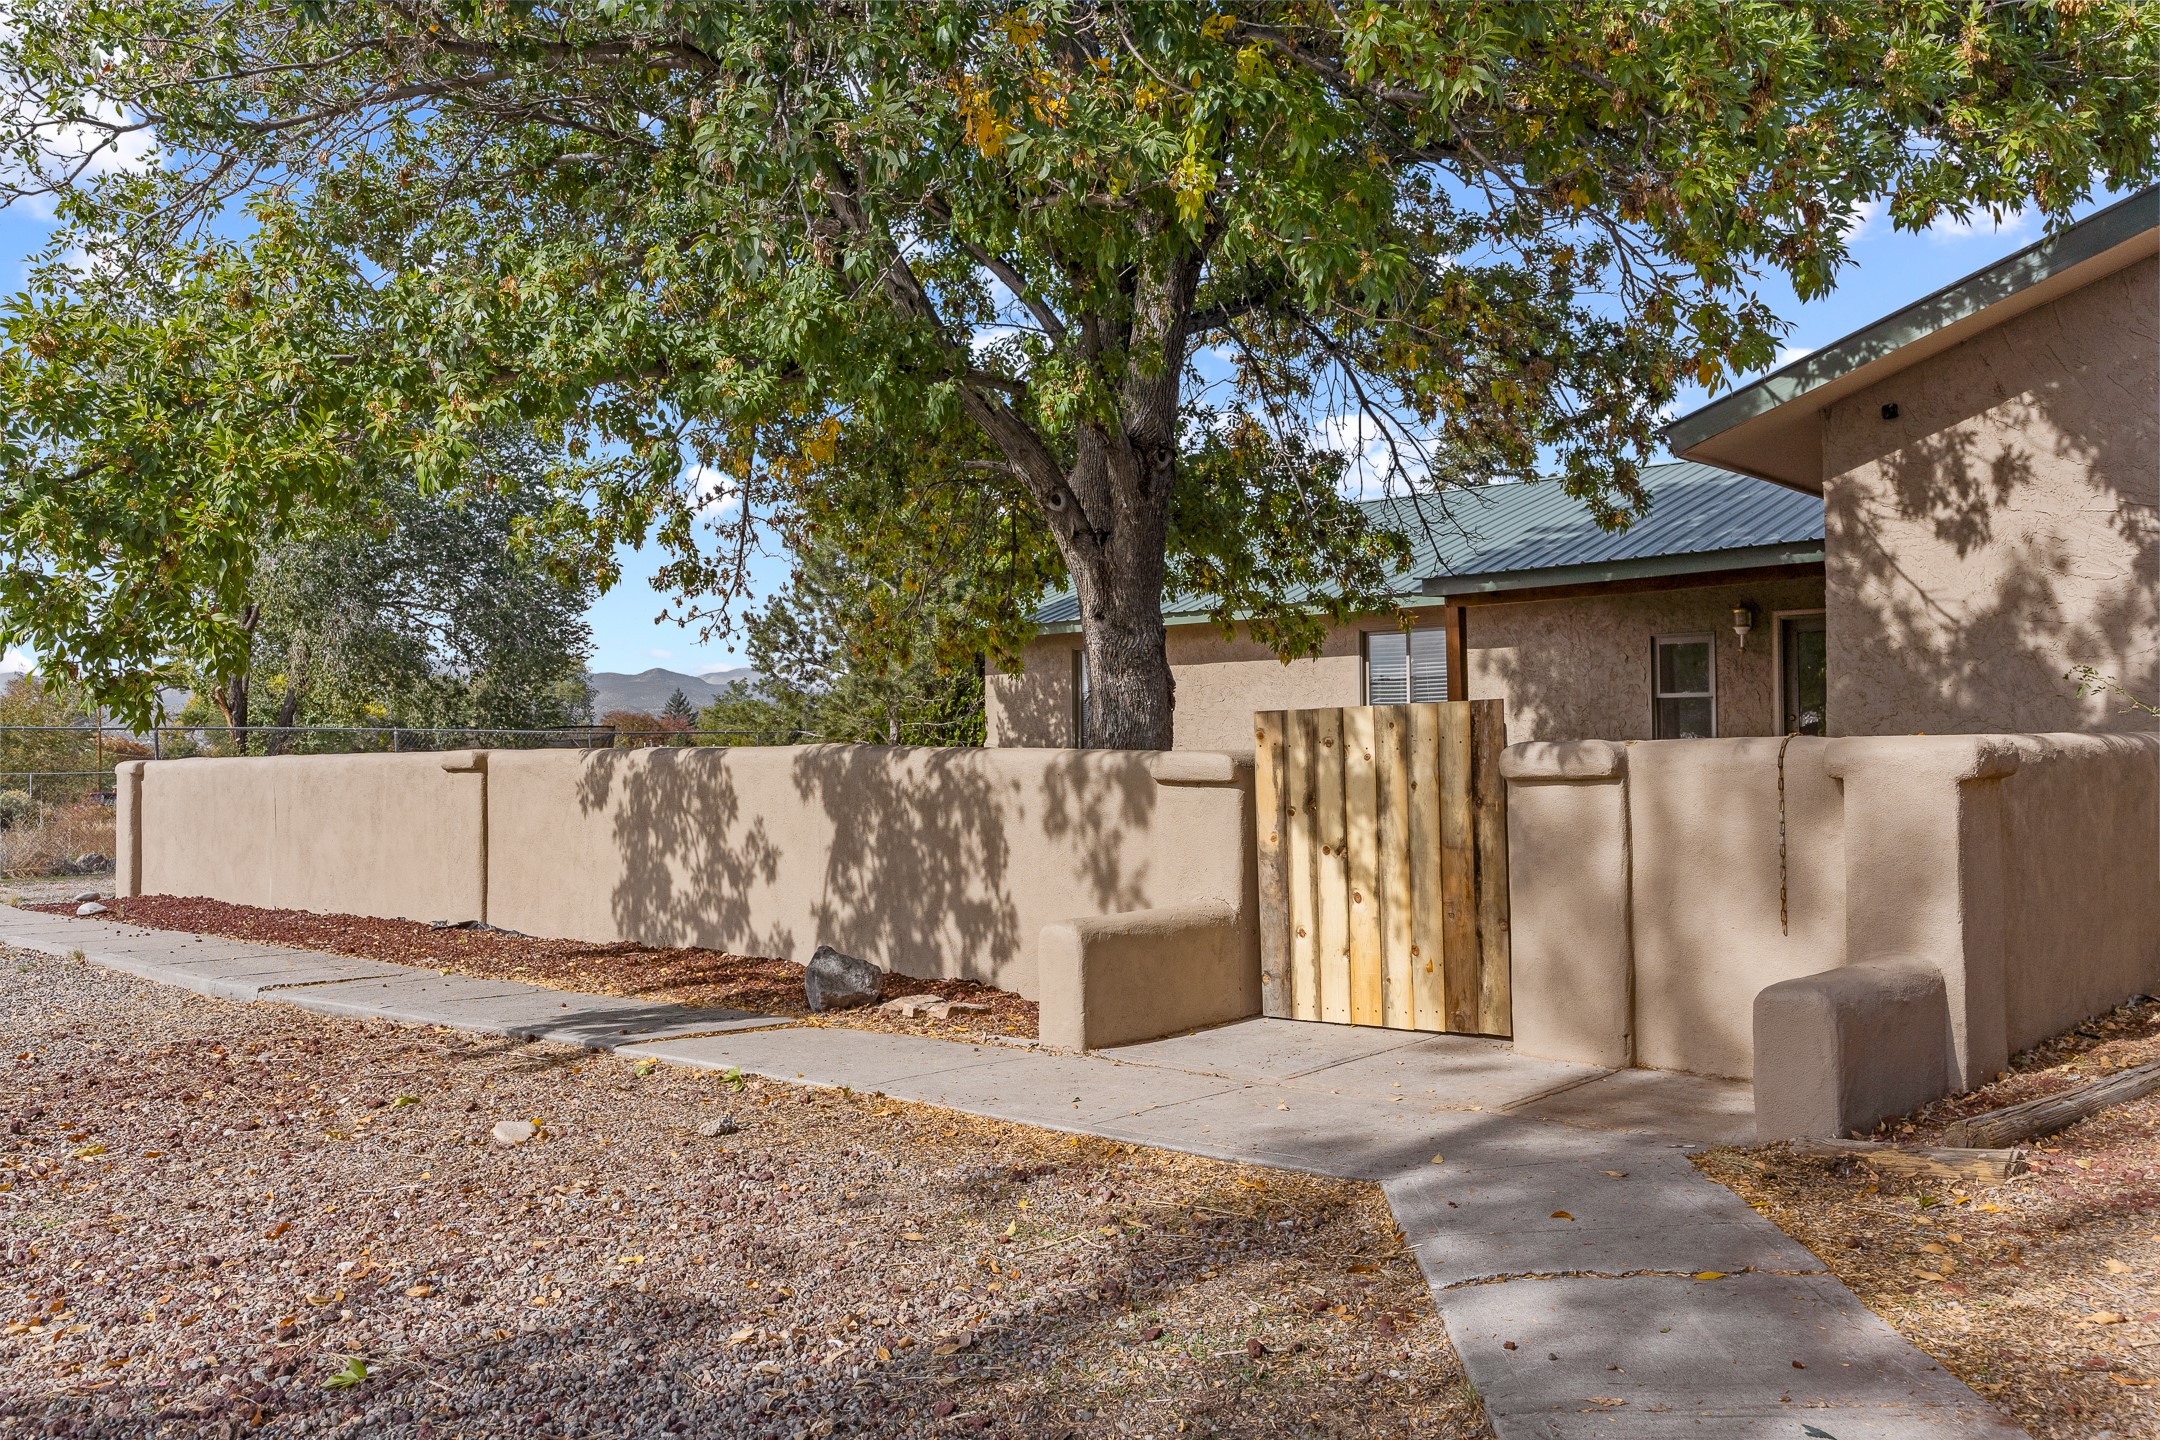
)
(127, 827)
(1925, 836)
(474, 762)
(1569, 876)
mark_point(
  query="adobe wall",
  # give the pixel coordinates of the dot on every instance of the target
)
(935, 862)
(2004, 527)
(1646, 883)
(399, 836)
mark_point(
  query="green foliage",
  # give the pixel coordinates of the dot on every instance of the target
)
(761, 235)
(421, 608)
(17, 808)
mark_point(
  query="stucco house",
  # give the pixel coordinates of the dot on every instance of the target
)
(1919, 528)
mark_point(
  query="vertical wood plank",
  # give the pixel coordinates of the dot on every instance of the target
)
(1391, 736)
(1298, 746)
(1488, 737)
(1458, 872)
(1361, 824)
(1270, 819)
(1331, 868)
(1427, 984)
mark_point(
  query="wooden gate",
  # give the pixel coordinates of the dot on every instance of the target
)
(1383, 865)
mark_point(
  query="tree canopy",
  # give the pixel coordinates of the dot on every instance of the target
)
(1124, 263)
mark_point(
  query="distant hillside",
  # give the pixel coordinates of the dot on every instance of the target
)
(648, 690)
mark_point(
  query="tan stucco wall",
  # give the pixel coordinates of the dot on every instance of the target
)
(930, 862)
(2082, 922)
(1569, 669)
(1579, 669)
(2022, 869)
(389, 835)
(2004, 527)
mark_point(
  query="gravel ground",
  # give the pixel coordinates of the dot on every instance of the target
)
(212, 1213)
(681, 976)
(2042, 1294)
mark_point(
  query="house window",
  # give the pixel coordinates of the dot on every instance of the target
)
(1405, 667)
(1683, 687)
(1080, 699)
(1803, 674)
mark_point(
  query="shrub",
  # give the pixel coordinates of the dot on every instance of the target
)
(49, 843)
(16, 809)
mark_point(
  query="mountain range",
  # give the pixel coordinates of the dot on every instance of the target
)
(648, 690)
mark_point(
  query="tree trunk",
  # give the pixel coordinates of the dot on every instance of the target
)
(231, 694)
(1131, 694)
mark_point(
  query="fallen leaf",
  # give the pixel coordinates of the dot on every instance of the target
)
(1617, 1174)
(1607, 1400)
(742, 1337)
(354, 1372)
(1710, 1275)
(2103, 1317)
(1932, 1248)
(1561, 1215)
(2127, 1381)
(911, 1235)
(278, 1229)
(883, 1353)
(1437, 1159)
(420, 1292)
(2116, 1267)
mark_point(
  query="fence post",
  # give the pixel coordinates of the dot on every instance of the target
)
(157, 742)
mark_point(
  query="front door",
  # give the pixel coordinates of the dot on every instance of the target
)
(1804, 674)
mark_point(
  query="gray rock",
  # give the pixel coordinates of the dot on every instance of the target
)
(833, 981)
(714, 1129)
(86, 895)
(92, 908)
(91, 863)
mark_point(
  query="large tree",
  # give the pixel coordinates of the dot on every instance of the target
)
(1105, 236)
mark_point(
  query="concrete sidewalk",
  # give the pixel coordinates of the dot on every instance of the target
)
(1551, 1206)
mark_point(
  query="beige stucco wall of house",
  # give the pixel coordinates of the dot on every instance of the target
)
(2004, 527)
(1579, 669)
(1576, 668)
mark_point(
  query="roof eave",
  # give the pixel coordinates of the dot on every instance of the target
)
(1769, 429)
(1702, 562)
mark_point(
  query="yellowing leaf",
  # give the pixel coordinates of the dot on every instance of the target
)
(2103, 1317)
(1437, 1160)
(1710, 1275)
(421, 1292)
(1561, 1215)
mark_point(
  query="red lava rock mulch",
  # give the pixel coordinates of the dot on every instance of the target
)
(686, 976)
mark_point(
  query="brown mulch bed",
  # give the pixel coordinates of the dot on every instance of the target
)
(2042, 1294)
(209, 1212)
(682, 976)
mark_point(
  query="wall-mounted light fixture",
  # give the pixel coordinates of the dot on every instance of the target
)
(1743, 620)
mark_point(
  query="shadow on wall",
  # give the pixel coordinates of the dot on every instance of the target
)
(1033, 707)
(2016, 539)
(691, 862)
(929, 861)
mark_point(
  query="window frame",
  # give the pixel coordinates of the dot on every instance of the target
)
(1777, 658)
(1688, 637)
(1410, 671)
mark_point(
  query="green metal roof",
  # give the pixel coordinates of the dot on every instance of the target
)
(1523, 536)
(1962, 307)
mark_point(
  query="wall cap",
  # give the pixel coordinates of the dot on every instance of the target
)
(1562, 761)
(465, 762)
(130, 767)
(1942, 757)
(1196, 767)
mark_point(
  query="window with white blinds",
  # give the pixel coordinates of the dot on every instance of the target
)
(1404, 668)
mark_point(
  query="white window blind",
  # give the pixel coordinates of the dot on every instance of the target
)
(1405, 668)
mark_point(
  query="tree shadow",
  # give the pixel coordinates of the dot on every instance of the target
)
(931, 862)
(2005, 530)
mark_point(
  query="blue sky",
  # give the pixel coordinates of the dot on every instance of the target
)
(1889, 270)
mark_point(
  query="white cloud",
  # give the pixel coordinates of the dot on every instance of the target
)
(1790, 353)
(2016, 225)
(1866, 221)
(717, 495)
(91, 149)
(18, 659)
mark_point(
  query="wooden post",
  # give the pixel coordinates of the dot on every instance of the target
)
(1391, 735)
(1488, 820)
(1270, 804)
(1331, 868)
(1458, 872)
(1361, 824)
(1427, 982)
(1298, 746)
(1458, 647)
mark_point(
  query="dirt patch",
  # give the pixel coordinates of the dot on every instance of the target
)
(680, 976)
(211, 1213)
(2042, 1294)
